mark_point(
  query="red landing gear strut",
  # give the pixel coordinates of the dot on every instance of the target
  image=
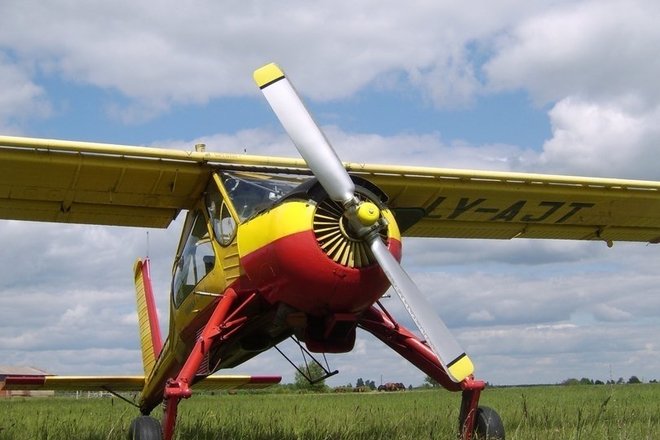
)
(219, 326)
(472, 418)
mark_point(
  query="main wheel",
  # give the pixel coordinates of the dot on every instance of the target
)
(145, 428)
(488, 425)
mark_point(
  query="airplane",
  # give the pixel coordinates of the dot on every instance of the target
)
(275, 248)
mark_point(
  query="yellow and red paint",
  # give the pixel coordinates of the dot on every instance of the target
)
(283, 261)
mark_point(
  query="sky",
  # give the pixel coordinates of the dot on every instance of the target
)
(560, 87)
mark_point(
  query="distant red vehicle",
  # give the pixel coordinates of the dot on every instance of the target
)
(392, 386)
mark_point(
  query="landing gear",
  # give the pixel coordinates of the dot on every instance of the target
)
(145, 428)
(478, 422)
(179, 387)
(488, 425)
(475, 422)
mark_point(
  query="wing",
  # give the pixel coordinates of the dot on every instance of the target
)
(76, 182)
(433, 202)
(129, 383)
(227, 382)
(81, 182)
(74, 383)
(84, 182)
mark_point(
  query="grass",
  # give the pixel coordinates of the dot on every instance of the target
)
(531, 413)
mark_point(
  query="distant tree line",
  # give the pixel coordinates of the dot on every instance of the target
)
(620, 381)
(314, 371)
(360, 383)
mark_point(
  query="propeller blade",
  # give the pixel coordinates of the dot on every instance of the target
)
(457, 364)
(305, 133)
(329, 170)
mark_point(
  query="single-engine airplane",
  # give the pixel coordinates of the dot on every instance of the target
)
(273, 248)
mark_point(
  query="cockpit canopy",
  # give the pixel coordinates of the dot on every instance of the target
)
(251, 193)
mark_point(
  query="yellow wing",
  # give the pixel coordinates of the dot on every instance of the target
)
(82, 182)
(77, 182)
(433, 202)
(128, 383)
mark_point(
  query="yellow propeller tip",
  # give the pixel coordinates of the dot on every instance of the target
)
(267, 75)
(461, 368)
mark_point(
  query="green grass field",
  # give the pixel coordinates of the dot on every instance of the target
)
(575, 412)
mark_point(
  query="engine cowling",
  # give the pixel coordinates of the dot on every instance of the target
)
(301, 252)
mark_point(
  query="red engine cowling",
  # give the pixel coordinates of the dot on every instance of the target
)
(296, 270)
(301, 253)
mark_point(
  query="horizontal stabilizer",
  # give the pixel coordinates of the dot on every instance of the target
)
(129, 383)
(75, 383)
(228, 382)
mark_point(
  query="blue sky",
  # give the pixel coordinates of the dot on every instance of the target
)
(83, 110)
(563, 87)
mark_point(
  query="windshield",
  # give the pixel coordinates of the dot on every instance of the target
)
(253, 192)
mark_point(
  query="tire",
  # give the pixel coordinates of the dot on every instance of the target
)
(488, 425)
(145, 428)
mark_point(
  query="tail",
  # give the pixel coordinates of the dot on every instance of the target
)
(150, 338)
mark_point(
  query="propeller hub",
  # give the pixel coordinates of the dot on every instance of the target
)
(367, 213)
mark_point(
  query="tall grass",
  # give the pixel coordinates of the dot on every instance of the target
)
(557, 413)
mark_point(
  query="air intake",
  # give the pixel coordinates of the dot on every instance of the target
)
(333, 236)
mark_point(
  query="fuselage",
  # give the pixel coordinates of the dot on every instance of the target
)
(288, 253)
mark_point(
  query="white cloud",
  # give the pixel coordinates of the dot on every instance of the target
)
(405, 148)
(480, 316)
(594, 63)
(598, 50)
(160, 53)
(20, 96)
(602, 139)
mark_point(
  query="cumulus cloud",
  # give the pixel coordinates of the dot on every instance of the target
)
(600, 50)
(592, 63)
(164, 53)
(360, 147)
(20, 97)
(602, 139)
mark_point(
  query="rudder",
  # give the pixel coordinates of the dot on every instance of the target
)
(150, 337)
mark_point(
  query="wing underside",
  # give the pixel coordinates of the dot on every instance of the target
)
(108, 186)
(477, 204)
(79, 182)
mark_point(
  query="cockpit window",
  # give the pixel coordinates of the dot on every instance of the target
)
(195, 262)
(224, 225)
(252, 193)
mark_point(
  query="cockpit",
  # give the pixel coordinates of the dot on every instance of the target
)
(248, 194)
(252, 193)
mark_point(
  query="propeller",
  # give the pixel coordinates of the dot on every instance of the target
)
(363, 216)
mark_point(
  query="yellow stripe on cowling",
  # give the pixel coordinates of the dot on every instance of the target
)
(281, 221)
(461, 368)
(267, 74)
(146, 341)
